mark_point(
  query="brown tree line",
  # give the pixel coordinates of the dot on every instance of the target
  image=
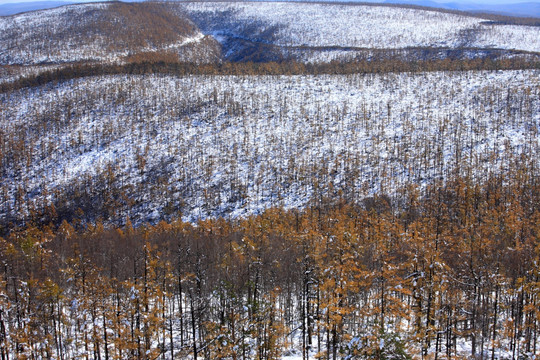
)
(449, 271)
(163, 62)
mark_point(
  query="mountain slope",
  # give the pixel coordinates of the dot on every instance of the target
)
(526, 9)
(152, 147)
(99, 32)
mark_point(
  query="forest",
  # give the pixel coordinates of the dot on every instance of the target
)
(449, 271)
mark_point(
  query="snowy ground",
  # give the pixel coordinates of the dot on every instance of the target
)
(232, 146)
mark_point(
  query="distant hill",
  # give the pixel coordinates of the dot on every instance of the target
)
(521, 9)
(97, 32)
(527, 9)
(16, 8)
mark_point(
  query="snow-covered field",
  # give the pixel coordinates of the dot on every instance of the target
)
(210, 146)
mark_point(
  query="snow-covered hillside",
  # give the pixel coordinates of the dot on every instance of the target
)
(335, 31)
(99, 32)
(259, 31)
(304, 24)
(206, 146)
